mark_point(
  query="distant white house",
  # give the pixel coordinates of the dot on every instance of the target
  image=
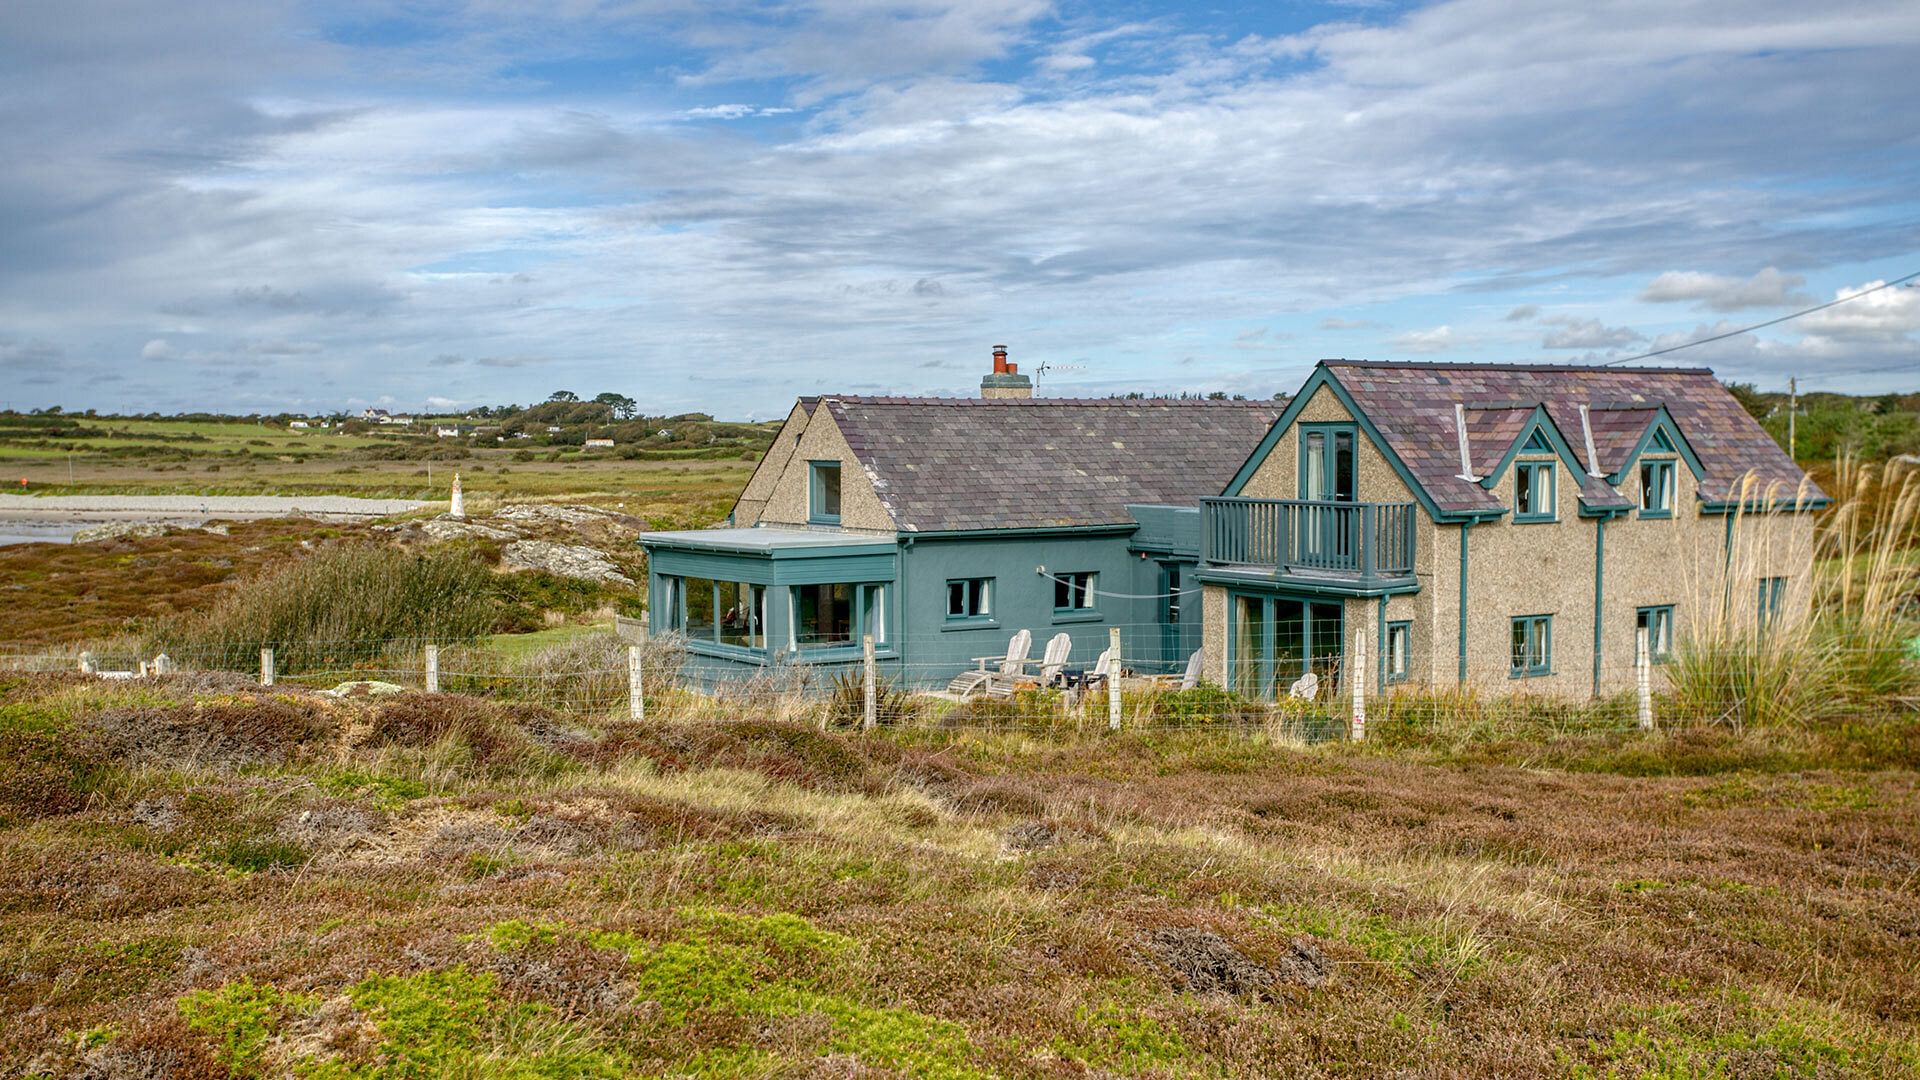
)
(403, 420)
(553, 429)
(606, 444)
(298, 425)
(447, 431)
(378, 416)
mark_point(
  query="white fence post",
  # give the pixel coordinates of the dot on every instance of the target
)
(870, 709)
(433, 669)
(1643, 679)
(636, 696)
(1113, 679)
(266, 667)
(1357, 671)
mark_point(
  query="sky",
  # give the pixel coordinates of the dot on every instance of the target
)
(717, 205)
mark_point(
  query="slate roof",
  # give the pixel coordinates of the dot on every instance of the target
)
(943, 464)
(1412, 406)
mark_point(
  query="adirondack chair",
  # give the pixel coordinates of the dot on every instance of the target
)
(1306, 687)
(1058, 648)
(1189, 679)
(1079, 684)
(1004, 670)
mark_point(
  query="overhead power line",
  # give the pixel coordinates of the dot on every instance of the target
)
(1764, 325)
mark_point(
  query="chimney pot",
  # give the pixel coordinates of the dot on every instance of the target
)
(1005, 381)
(1000, 359)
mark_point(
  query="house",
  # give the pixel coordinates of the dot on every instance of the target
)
(1503, 526)
(378, 416)
(941, 526)
(297, 425)
(599, 444)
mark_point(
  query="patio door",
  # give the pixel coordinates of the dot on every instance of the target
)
(1274, 640)
(1328, 473)
(1173, 651)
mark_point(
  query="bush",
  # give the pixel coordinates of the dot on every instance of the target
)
(847, 704)
(336, 608)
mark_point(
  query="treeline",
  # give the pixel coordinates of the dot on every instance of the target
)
(1827, 426)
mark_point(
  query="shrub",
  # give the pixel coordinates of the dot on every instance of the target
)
(847, 703)
(336, 608)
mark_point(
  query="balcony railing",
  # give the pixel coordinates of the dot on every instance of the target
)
(1364, 540)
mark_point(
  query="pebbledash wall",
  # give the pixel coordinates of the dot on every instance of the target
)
(1706, 565)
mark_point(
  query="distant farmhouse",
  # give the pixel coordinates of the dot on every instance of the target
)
(601, 444)
(1488, 525)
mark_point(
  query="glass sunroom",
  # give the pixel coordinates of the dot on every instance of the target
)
(758, 596)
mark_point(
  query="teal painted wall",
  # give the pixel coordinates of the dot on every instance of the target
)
(925, 648)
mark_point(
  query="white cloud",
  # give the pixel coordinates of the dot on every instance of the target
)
(1893, 312)
(1716, 292)
(157, 349)
(1522, 313)
(1336, 322)
(1577, 333)
(1437, 339)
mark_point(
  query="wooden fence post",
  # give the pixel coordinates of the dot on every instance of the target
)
(1113, 679)
(636, 696)
(433, 669)
(870, 710)
(266, 667)
(1357, 671)
(1643, 679)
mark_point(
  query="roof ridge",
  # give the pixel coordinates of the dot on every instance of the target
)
(1470, 365)
(1005, 403)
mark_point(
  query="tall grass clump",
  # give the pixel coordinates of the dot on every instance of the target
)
(1837, 643)
(336, 608)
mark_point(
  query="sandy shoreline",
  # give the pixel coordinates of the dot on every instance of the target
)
(50, 516)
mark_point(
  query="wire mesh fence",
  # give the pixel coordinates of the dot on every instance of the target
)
(1280, 692)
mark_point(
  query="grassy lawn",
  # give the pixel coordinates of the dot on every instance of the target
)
(280, 884)
(517, 646)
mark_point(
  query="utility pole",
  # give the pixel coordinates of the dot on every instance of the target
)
(1793, 408)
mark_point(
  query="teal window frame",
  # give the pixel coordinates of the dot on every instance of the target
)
(1083, 584)
(867, 615)
(714, 635)
(978, 590)
(1658, 619)
(1402, 629)
(1530, 637)
(1329, 462)
(1526, 474)
(1657, 479)
(817, 512)
(1773, 593)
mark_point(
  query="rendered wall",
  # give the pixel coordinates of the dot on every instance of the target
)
(860, 506)
(752, 502)
(936, 649)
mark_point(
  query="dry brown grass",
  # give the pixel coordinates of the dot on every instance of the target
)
(758, 898)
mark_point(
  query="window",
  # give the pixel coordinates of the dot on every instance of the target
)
(823, 505)
(1658, 623)
(1399, 646)
(1773, 593)
(1074, 592)
(970, 598)
(838, 615)
(1532, 646)
(1533, 494)
(1656, 488)
(667, 604)
(1328, 469)
(717, 612)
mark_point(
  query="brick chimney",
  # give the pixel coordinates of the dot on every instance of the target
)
(1005, 381)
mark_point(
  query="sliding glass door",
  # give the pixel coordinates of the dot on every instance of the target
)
(1277, 639)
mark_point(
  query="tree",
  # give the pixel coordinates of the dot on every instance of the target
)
(623, 406)
(563, 395)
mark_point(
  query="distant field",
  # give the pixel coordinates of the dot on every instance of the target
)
(142, 457)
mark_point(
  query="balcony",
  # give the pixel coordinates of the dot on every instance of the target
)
(1347, 547)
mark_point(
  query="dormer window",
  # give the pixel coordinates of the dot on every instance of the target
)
(1533, 491)
(1656, 489)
